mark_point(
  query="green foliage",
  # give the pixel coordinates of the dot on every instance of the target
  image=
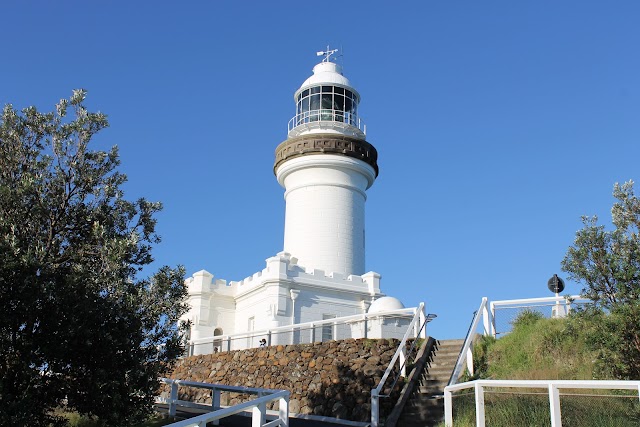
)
(481, 349)
(607, 263)
(527, 317)
(76, 322)
(537, 348)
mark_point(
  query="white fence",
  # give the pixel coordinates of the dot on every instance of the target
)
(496, 318)
(257, 406)
(384, 324)
(552, 387)
(493, 319)
(504, 312)
(418, 325)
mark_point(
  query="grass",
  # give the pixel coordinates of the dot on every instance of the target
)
(549, 349)
(508, 410)
(540, 348)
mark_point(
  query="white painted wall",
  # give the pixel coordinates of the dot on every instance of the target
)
(266, 297)
(325, 211)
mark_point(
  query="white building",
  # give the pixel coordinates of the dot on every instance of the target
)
(325, 166)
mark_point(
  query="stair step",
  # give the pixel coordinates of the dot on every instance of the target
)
(426, 405)
(440, 370)
(422, 401)
(451, 342)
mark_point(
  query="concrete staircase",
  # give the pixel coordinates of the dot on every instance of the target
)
(425, 407)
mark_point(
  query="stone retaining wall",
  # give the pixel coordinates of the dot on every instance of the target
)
(332, 378)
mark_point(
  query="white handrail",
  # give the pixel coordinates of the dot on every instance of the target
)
(552, 385)
(537, 300)
(258, 405)
(487, 312)
(327, 115)
(404, 312)
(419, 317)
(466, 350)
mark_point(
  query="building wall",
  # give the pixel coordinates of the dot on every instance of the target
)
(266, 299)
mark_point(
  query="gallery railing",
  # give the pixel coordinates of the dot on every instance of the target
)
(327, 115)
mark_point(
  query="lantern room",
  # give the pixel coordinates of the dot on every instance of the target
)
(327, 103)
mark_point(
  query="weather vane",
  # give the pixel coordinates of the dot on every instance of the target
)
(327, 53)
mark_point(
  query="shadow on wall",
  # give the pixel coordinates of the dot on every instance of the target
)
(332, 379)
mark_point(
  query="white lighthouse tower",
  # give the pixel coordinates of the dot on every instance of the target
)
(326, 166)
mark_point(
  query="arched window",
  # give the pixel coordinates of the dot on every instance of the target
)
(217, 343)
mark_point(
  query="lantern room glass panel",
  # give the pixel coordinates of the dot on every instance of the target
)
(326, 103)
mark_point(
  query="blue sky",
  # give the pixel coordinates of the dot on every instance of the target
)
(497, 123)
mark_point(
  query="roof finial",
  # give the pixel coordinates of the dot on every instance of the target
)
(327, 54)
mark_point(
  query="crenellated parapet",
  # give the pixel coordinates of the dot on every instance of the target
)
(284, 268)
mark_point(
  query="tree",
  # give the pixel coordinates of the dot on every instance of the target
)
(77, 324)
(607, 263)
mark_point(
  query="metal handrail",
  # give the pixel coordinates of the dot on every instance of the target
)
(327, 115)
(466, 347)
(403, 363)
(399, 354)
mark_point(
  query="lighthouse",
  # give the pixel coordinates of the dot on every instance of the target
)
(325, 166)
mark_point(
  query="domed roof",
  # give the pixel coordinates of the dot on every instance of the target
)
(327, 73)
(385, 304)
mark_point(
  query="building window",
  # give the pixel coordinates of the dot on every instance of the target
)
(327, 330)
(251, 325)
(217, 344)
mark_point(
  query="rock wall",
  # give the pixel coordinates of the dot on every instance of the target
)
(332, 378)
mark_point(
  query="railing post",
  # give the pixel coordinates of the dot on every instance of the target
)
(479, 405)
(493, 319)
(228, 343)
(283, 410)
(172, 398)
(215, 403)
(366, 326)
(401, 360)
(259, 415)
(313, 333)
(486, 318)
(269, 338)
(422, 321)
(470, 359)
(448, 409)
(375, 408)
(554, 406)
